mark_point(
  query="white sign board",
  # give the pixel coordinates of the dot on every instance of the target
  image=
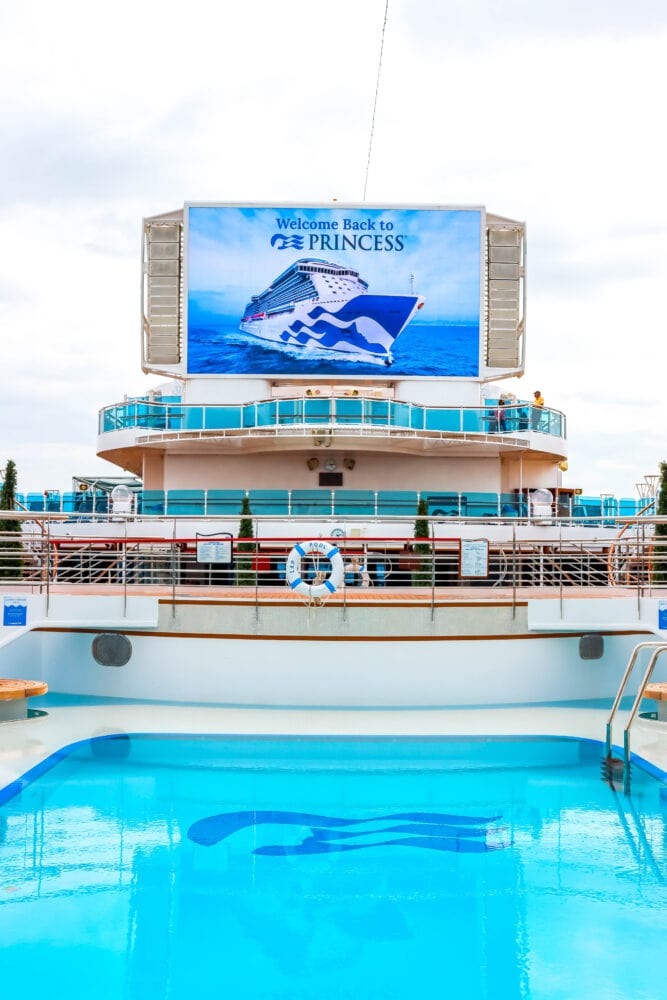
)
(214, 550)
(474, 557)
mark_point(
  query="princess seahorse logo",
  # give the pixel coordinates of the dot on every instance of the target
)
(328, 834)
(282, 242)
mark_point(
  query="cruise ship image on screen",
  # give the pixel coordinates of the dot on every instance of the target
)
(315, 307)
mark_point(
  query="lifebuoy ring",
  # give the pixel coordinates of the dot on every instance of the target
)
(314, 590)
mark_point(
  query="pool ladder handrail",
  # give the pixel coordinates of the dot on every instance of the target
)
(658, 647)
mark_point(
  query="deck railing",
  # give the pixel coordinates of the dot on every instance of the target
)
(44, 555)
(344, 414)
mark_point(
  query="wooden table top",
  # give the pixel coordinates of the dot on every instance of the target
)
(656, 691)
(11, 688)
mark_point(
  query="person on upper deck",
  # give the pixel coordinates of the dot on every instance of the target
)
(538, 406)
(501, 416)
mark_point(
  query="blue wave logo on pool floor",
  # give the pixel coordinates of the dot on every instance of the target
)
(329, 834)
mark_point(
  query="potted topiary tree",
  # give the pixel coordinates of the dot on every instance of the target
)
(245, 574)
(423, 568)
(11, 546)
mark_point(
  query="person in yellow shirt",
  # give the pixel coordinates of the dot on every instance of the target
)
(538, 406)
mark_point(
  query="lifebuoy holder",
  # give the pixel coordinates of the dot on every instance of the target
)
(314, 591)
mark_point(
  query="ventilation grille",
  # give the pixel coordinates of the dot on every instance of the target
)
(505, 297)
(162, 293)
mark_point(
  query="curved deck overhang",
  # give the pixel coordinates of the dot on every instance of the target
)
(125, 448)
(132, 428)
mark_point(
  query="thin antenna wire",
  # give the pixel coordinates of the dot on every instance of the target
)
(375, 102)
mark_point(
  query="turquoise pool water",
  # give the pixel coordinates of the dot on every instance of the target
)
(158, 867)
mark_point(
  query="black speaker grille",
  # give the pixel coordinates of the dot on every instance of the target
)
(591, 647)
(112, 649)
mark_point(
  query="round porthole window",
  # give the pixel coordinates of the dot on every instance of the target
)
(111, 649)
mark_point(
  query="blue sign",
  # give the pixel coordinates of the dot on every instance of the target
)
(15, 611)
(662, 615)
(333, 291)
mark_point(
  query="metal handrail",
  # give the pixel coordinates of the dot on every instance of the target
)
(655, 645)
(661, 648)
(65, 556)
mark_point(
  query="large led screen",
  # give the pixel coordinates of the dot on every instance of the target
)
(333, 291)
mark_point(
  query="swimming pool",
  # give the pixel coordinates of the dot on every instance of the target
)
(180, 867)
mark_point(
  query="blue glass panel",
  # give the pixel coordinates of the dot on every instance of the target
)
(644, 506)
(92, 503)
(349, 411)
(182, 502)
(377, 411)
(224, 502)
(150, 415)
(317, 411)
(266, 414)
(219, 417)
(83, 503)
(474, 422)
(630, 508)
(249, 415)
(311, 501)
(290, 411)
(352, 502)
(446, 504)
(592, 505)
(517, 418)
(193, 419)
(417, 414)
(513, 505)
(68, 502)
(35, 501)
(269, 501)
(151, 502)
(482, 504)
(89, 502)
(174, 418)
(442, 420)
(400, 414)
(551, 423)
(112, 418)
(397, 502)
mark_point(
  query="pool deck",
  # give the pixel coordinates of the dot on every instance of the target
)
(25, 743)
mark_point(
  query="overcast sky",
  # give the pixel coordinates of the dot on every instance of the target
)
(549, 113)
